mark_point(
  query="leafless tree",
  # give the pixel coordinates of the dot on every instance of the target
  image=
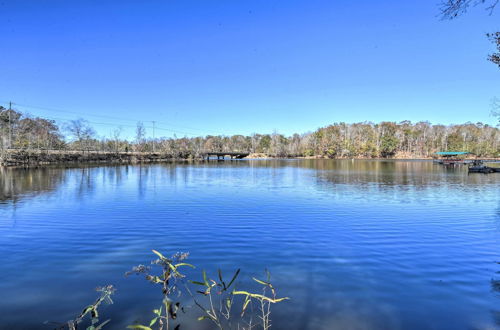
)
(81, 131)
(116, 136)
(495, 39)
(140, 135)
(453, 8)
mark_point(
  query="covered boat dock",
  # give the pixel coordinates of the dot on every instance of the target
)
(451, 157)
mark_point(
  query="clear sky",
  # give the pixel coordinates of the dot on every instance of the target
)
(238, 67)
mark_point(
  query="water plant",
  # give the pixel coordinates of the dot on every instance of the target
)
(217, 299)
(91, 310)
(221, 311)
(218, 307)
(214, 297)
(264, 302)
(168, 280)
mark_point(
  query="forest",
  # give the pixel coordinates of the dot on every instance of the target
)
(338, 140)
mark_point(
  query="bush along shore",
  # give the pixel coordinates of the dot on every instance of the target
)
(216, 299)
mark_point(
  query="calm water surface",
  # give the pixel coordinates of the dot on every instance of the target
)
(355, 244)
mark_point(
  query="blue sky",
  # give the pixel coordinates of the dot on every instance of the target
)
(238, 67)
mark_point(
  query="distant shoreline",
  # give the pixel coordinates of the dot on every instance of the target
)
(34, 158)
(264, 156)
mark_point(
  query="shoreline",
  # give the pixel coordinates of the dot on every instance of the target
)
(35, 158)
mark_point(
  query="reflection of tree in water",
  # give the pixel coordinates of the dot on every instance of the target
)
(20, 183)
(91, 177)
(86, 181)
(16, 183)
(143, 176)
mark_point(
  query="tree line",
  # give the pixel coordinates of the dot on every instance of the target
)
(339, 140)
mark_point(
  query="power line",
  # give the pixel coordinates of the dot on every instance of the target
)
(51, 109)
(154, 127)
(115, 125)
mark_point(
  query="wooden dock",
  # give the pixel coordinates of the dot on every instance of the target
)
(222, 155)
(451, 157)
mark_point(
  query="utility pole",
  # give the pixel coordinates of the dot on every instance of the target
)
(10, 125)
(154, 141)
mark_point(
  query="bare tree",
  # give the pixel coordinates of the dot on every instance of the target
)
(140, 134)
(81, 131)
(116, 136)
(495, 39)
(453, 8)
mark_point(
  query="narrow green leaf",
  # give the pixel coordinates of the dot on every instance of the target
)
(260, 282)
(280, 299)
(87, 309)
(245, 305)
(100, 326)
(174, 269)
(259, 296)
(234, 278)
(153, 321)
(220, 274)
(205, 280)
(159, 254)
(138, 326)
(158, 311)
(197, 283)
(184, 264)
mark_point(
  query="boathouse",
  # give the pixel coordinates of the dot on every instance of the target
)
(451, 157)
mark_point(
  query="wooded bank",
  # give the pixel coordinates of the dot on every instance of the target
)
(43, 157)
(24, 157)
(340, 140)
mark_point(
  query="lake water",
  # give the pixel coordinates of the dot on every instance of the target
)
(355, 244)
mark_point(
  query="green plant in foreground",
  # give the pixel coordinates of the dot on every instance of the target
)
(264, 301)
(216, 298)
(168, 280)
(92, 310)
(219, 306)
(221, 312)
